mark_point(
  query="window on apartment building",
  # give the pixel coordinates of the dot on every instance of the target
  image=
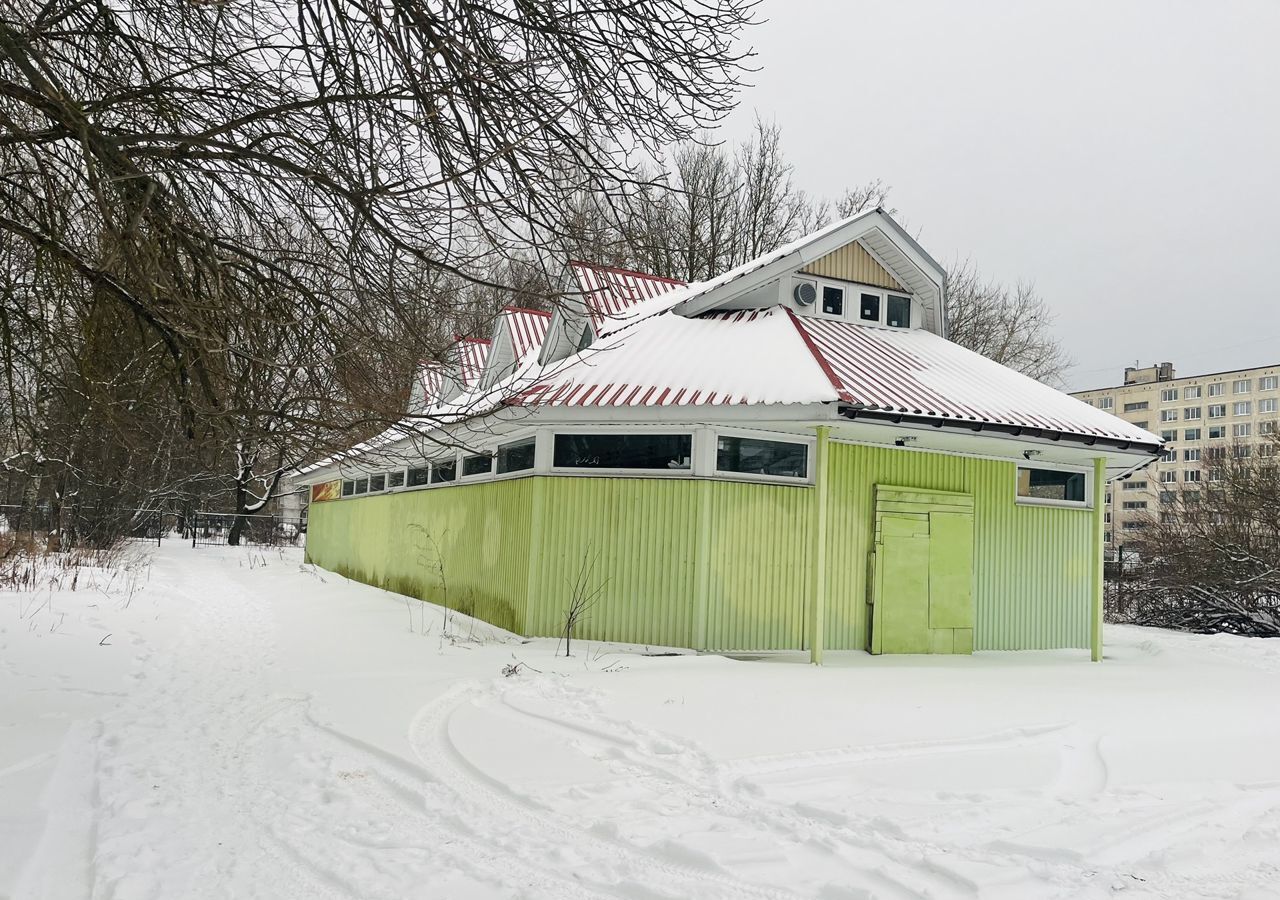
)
(1142, 423)
(1242, 408)
(1168, 395)
(1168, 477)
(1135, 504)
(1215, 453)
(1242, 429)
(1133, 485)
(1135, 407)
(754, 456)
(1268, 449)
(1108, 497)
(1191, 413)
(395, 479)
(1217, 410)
(419, 475)
(661, 452)
(1168, 496)
(899, 312)
(377, 483)
(870, 308)
(1268, 427)
(1106, 537)
(1192, 475)
(1268, 382)
(1168, 415)
(516, 457)
(832, 300)
(1217, 431)
(1191, 392)
(1215, 474)
(1242, 386)
(1169, 435)
(1191, 455)
(362, 485)
(1051, 485)
(1168, 455)
(1167, 517)
(1191, 434)
(1106, 402)
(1106, 518)
(348, 488)
(1133, 526)
(1242, 451)
(1268, 405)
(1217, 389)
(1191, 497)
(443, 471)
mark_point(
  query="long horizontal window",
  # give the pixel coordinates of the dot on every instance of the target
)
(515, 457)
(665, 452)
(753, 456)
(1051, 485)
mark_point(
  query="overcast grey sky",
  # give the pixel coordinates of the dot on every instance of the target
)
(1123, 155)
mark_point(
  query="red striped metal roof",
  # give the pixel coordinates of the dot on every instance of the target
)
(916, 372)
(527, 328)
(472, 353)
(431, 376)
(611, 294)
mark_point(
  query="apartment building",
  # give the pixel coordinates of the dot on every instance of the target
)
(1199, 417)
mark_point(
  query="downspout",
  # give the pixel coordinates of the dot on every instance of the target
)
(1099, 518)
(818, 600)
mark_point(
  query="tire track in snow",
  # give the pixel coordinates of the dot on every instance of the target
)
(634, 871)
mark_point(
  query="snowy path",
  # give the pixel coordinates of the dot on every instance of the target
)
(254, 728)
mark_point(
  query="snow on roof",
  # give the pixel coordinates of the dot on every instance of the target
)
(472, 353)
(431, 378)
(616, 297)
(752, 356)
(916, 372)
(527, 328)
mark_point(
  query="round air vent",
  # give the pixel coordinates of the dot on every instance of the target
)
(805, 292)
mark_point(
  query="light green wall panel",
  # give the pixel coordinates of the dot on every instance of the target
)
(480, 531)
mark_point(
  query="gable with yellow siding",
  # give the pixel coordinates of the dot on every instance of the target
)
(853, 263)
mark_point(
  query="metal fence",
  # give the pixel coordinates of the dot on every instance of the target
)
(41, 524)
(217, 529)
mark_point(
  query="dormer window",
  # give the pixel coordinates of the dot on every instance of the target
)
(832, 300)
(870, 309)
(899, 312)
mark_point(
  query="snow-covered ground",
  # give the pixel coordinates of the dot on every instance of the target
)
(243, 726)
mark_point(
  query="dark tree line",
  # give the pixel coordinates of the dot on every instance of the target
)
(230, 229)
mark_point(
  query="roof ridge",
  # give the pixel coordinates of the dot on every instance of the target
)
(821, 360)
(525, 309)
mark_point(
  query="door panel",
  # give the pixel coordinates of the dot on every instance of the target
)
(922, 572)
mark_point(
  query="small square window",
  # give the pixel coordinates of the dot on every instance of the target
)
(362, 485)
(348, 488)
(899, 312)
(444, 471)
(395, 479)
(377, 483)
(419, 476)
(870, 309)
(515, 457)
(832, 300)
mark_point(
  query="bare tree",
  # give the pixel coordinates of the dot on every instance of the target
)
(1209, 558)
(1011, 325)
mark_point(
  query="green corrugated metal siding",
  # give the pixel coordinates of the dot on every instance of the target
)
(641, 535)
(759, 575)
(1031, 566)
(481, 530)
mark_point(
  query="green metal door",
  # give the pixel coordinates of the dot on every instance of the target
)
(922, 572)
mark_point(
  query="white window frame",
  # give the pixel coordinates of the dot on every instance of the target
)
(1168, 415)
(1268, 405)
(1221, 406)
(1192, 413)
(648, 428)
(1242, 430)
(1269, 382)
(1242, 408)
(1086, 504)
(1191, 392)
(1217, 389)
(1169, 395)
(784, 437)
(1169, 476)
(1242, 386)
(1106, 403)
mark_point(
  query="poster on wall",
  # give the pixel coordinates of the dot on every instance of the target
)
(330, 490)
